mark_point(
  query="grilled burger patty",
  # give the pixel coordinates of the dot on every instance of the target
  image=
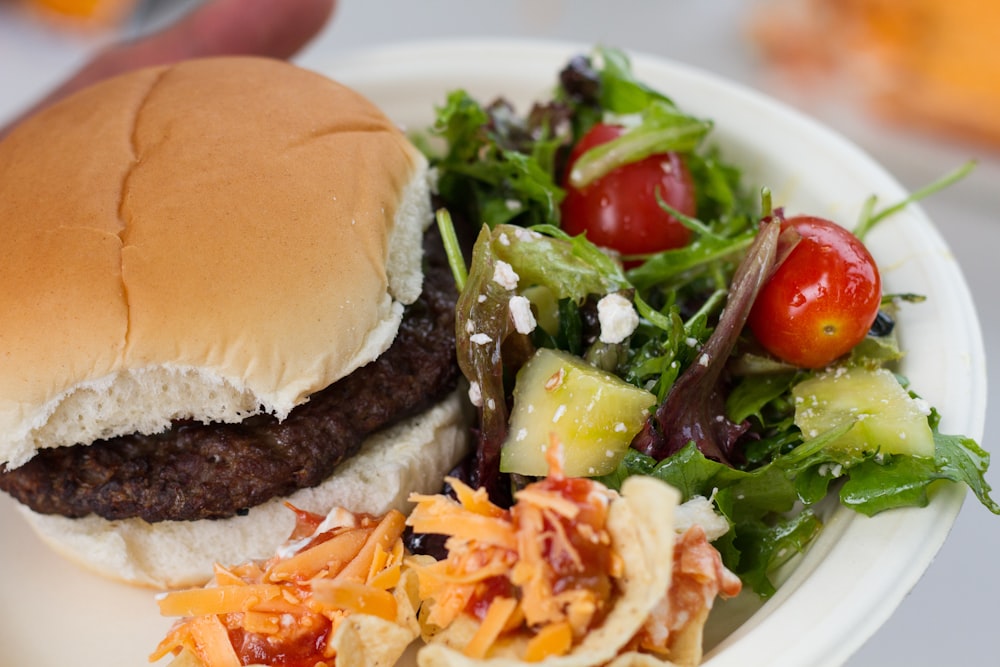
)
(212, 471)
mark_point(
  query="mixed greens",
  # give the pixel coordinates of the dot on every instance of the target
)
(723, 418)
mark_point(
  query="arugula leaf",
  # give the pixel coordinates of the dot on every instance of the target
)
(896, 481)
(621, 92)
(755, 502)
(496, 169)
(764, 547)
(960, 459)
(671, 269)
(754, 392)
(658, 129)
(883, 483)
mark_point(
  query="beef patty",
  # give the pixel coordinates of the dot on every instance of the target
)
(212, 471)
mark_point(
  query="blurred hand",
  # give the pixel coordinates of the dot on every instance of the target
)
(274, 28)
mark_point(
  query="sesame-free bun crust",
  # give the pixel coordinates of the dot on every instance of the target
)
(205, 240)
(410, 457)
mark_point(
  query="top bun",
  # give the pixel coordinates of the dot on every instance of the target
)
(204, 241)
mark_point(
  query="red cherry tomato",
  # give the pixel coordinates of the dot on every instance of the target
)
(620, 210)
(822, 299)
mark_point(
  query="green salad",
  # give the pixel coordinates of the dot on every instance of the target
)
(630, 297)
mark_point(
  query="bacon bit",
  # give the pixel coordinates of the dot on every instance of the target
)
(547, 562)
(348, 569)
(698, 578)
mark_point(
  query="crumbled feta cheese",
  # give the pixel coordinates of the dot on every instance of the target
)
(520, 312)
(560, 411)
(831, 470)
(504, 275)
(617, 317)
(480, 338)
(700, 511)
(629, 120)
(525, 234)
(476, 394)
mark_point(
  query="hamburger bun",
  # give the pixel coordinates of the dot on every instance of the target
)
(410, 457)
(205, 241)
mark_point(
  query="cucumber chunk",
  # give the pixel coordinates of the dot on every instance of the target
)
(594, 414)
(888, 419)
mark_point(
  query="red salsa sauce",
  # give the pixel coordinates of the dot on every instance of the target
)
(299, 648)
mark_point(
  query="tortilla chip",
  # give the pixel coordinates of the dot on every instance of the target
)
(641, 526)
(366, 553)
(369, 641)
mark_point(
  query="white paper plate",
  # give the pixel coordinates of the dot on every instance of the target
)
(858, 570)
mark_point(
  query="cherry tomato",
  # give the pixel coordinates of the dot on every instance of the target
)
(822, 299)
(620, 210)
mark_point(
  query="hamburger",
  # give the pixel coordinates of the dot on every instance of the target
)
(218, 296)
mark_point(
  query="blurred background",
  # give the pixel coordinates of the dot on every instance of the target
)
(915, 83)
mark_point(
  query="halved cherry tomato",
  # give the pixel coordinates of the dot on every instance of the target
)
(620, 210)
(822, 299)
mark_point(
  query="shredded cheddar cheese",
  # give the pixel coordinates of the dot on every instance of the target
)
(545, 567)
(292, 602)
(536, 581)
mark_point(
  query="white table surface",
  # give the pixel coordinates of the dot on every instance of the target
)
(950, 617)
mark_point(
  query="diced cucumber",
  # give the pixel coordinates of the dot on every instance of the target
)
(889, 420)
(593, 414)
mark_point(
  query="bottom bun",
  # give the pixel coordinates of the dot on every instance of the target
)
(411, 457)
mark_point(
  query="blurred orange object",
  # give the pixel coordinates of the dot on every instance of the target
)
(85, 12)
(928, 63)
